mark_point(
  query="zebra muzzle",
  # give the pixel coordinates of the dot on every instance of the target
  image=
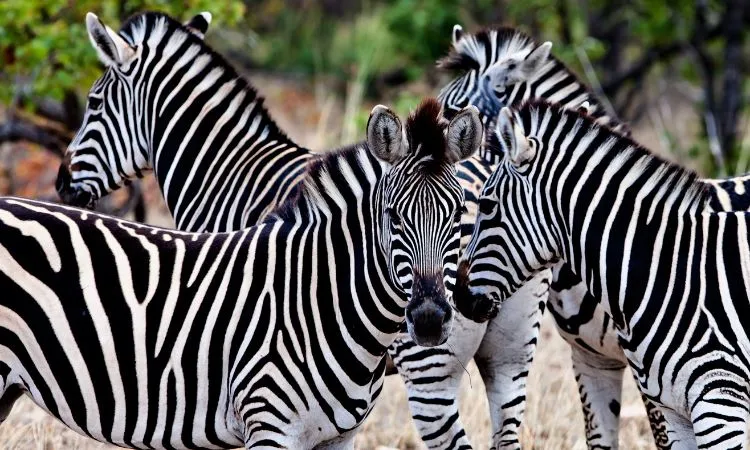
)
(477, 307)
(69, 195)
(429, 316)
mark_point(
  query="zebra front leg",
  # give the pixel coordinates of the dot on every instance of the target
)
(505, 357)
(600, 387)
(9, 392)
(659, 426)
(432, 377)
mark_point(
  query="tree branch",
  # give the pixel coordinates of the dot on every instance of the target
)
(15, 130)
(712, 128)
(641, 67)
(731, 96)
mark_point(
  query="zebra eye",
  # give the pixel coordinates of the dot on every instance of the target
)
(95, 104)
(486, 206)
(395, 219)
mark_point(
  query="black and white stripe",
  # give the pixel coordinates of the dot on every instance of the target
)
(273, 336)
(174, 106)
(499, 67)
(672, 275)
(236, 181)
(598, 361)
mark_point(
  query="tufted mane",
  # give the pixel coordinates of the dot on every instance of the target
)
(425, 132)
(137, 29)
(471, 50)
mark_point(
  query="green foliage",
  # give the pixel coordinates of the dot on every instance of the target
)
(45, 41)
(406, 35)
(421, 28)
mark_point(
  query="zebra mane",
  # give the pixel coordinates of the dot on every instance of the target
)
(137, 29)
(323, 174)
(684, 179)
(425, 133)
(472, 49)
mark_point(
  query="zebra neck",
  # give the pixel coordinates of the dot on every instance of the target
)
(556, 84)
(338, 202)
(614, 218)
(212, 141)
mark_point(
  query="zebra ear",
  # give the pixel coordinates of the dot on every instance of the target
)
(536, 59)
(112, 49)
(464, 134)
(198, 25)
(512, 138)
(458, 31)
(385, 136)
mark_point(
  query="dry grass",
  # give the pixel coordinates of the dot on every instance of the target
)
(553, 419)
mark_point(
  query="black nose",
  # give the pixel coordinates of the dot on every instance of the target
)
(478, 308)
(62, 184)
(428, 313)
(429, 321)
(69, 195)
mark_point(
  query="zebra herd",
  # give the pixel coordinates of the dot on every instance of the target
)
(265, 320)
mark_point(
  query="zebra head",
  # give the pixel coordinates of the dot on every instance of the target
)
(112, 145)
(514, 237)
(490, 63)
(420, 205)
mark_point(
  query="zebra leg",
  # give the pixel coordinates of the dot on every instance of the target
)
(659, 426)
(9, 392)
(432, 377)
(600, 386)
(598, 360)
(680, 430)
(505, 356)
(720, 418)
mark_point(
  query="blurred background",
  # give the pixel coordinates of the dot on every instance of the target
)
(676, 71)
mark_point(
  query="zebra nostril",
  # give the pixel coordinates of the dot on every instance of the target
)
(83, 199)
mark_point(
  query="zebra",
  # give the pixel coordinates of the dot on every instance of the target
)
(503, 66)
(251, 146)
(672, 275)
(516, 69)
(269, 337)
(251, 167)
